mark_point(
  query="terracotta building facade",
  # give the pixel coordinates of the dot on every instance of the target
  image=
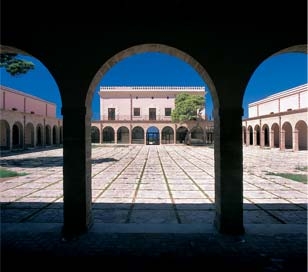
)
(278, 121)
(142, 115)
(27, 121)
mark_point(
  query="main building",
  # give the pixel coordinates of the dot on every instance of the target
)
(142, 115)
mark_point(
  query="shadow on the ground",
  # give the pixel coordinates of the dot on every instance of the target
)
(50, 161)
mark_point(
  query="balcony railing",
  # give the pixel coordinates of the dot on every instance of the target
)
(135, 118)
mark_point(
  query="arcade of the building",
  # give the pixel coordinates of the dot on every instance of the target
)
(278, 121)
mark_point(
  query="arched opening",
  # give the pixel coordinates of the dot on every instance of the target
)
(123, 135)
(55, 135)
(17, 133)
(94, 135)
(275, 135)
(288, 135)
(244, 133)
(108, 135)
(29, 135)
(197, 136)
(265, 135)
(250, 132)
(138, 135)
(152, 136)
(181, 135)
(257, 135)
(301, 128)
(4, 135)
(61, 134)
(167, 135)
(48, 135)
(39, 135)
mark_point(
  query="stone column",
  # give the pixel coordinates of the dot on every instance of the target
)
(76, 171)
(229, 171)
(272, 139)
(115, 135)
(262, 140)
(282, 142)
(295, 140)
(247, 137)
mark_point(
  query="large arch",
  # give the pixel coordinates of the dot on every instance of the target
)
(5, 135)
(181, 134)
(250, 135)
(287, 135)
(55, 134)
(17, 135)
(47, 135)
(275, 135)
(123, 135)
(301, 130)
(39, 135)
(265, 136)
(108, 135)
(167, 135)
(29, 135)
(94, 134)
(137, 135)
(229, 51)
(197, 135)
(152, 136)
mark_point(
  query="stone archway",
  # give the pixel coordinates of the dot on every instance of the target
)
(167, 135)
(17, 135)
(123, 135)
(4, 135)
(301, 130)
(94, 134)
(29, 135)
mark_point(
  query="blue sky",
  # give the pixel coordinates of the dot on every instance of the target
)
(275, 74)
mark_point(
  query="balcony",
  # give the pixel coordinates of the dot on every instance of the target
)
(141, 118)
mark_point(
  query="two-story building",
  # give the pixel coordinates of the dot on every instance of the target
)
(279, 120)
(142, 115)
(27, 121)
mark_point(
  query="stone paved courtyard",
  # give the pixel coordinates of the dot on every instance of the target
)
(153, 207)
(167, 184)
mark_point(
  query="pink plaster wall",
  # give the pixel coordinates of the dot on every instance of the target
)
(125, 99)
(295, 98)
(23, 102)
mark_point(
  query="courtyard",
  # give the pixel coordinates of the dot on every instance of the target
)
(147, 184)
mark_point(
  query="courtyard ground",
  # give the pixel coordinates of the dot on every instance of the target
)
(158, 202)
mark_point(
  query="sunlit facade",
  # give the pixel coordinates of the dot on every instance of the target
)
(278, 121)
(27, 121)
(142, 115)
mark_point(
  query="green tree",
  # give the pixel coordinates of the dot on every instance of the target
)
(187, 107)
(14, 65)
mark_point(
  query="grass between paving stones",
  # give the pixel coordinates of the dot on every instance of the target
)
(296, 177)
(5, 173)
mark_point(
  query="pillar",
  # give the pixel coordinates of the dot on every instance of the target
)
(76, 171)
(295, 140)
(272, 139)
(228, 171)
(282, 142)
(262, 138)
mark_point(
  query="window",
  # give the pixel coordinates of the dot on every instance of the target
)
(136, 111)
(152, 113)
(167, 111)
(111, 113)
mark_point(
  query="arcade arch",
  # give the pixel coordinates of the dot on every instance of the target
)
(229, 202)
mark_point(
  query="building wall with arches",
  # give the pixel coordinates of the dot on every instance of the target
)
(278, 121)
(142, 115)
(27, 121)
